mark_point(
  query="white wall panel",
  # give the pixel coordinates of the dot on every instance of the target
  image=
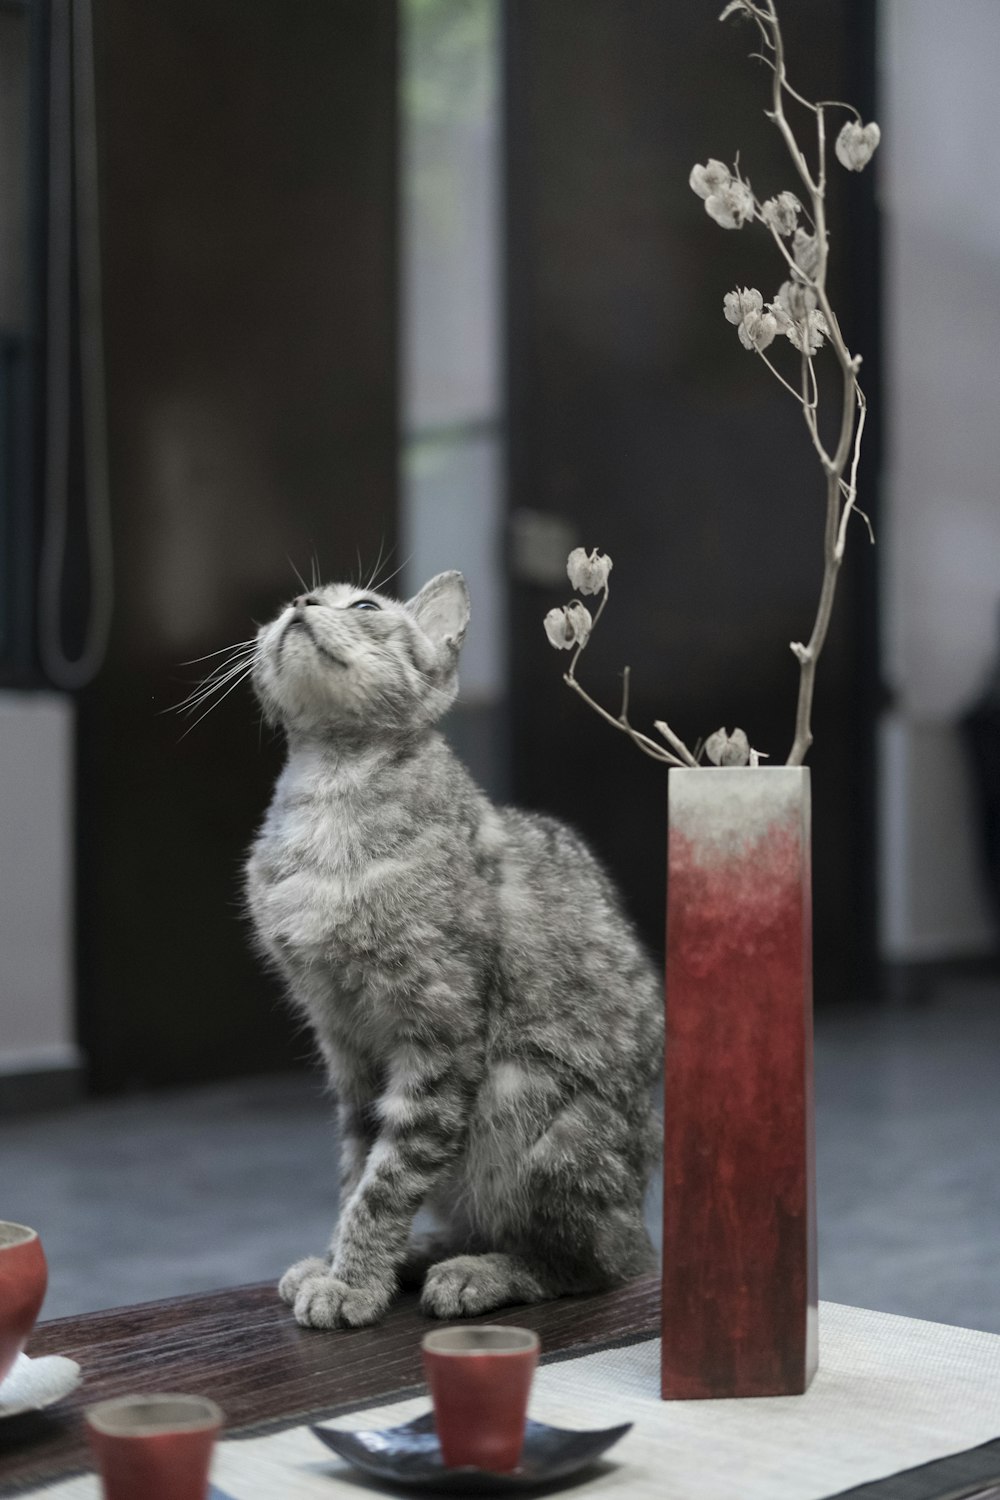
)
(36, 882)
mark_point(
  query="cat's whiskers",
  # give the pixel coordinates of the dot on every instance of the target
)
(383, 582)
(222, 651)
(237, 657)
(305, 586)
(378, 563)
(239, 677)
(202, 695)
(227, 674)
(377, 582)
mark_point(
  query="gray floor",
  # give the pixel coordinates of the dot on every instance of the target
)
(147, 1197)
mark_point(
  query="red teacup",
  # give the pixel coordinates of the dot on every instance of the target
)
(154, 1447)
(23, 1279)
(480, 1378)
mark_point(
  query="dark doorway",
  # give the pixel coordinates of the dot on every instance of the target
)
(636, 423)
(247, 158)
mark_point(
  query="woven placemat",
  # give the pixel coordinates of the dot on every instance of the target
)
(900, 1410)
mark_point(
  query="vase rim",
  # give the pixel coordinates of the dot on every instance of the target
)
(737, 770)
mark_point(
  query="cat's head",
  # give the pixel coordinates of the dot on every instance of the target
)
(346, 661)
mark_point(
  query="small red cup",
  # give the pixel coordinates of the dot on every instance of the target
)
(23, 1279)
(480, 1378)
(154, 1447)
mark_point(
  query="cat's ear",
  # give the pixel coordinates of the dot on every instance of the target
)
(442, 609)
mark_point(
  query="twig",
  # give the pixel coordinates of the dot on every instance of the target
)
(759, 57)
(778, 376)
(646, 745)
(650, 747)
(793, 265)
(673, 739)
(852, 488)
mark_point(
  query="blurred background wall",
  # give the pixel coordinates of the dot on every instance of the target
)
(941, 547)
(452, 415)
(420, 284)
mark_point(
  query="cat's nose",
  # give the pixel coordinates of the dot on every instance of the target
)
(303, 599)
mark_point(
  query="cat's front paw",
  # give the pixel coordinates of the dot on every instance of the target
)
(288, 1286)
(324, 1301)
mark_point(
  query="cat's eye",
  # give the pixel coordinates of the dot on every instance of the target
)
(363, 604)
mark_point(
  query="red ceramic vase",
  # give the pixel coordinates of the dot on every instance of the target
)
(480, 1378)
(154, 1447)
(23, 1279)
(739, 1206)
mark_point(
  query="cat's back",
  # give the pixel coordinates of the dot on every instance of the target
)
(579, 981)
(546, 870)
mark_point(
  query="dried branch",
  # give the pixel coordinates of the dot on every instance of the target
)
(853, 407)
(802, 312)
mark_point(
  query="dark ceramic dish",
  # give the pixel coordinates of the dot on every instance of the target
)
(412, 1455)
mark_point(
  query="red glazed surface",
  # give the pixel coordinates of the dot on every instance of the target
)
(169, 1466)
(739, 1260)
(150, 1465)
(23, 1279)
(480, 1406)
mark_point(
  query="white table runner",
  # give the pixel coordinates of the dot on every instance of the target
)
(891, 1393)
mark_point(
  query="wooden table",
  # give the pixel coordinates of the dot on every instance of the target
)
(243, 1348)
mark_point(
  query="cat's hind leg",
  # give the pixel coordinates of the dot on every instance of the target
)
(572, 1258)
(467, 1285)
(575, 1216)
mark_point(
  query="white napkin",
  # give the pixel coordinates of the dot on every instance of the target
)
(34, 1383)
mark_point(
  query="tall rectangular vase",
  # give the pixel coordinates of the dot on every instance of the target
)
(739, 1202)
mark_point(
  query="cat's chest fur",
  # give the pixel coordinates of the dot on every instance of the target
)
(356, 867)
(326, 853)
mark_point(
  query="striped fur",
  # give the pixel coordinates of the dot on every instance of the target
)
(489, 1021)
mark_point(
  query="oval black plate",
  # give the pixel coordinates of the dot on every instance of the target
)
(411, 1455)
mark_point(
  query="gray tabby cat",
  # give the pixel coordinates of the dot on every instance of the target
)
(490, 1023)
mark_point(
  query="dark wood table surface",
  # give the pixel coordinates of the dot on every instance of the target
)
(243, 1348)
